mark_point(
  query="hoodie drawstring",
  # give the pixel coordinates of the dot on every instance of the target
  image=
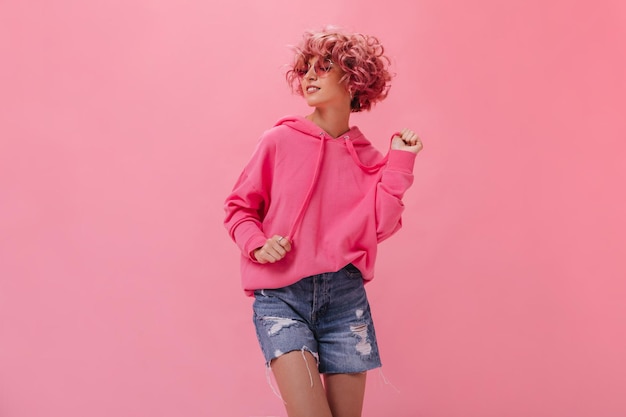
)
(320, 157)
(368, 168)
(305, 203)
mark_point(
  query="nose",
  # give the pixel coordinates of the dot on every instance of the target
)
(311, 74)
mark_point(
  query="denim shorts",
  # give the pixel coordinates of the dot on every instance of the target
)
(326, 314)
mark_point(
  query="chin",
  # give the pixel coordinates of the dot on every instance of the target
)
(313, 103)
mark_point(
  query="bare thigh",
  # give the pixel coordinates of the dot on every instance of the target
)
(345, 393)
(300, 385)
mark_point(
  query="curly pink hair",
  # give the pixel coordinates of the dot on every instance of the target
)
(359, 56)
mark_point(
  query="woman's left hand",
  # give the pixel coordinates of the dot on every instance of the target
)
(407, 141)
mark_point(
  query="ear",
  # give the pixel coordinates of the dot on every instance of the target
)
(355, 103)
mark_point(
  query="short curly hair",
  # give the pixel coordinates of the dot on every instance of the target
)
(360, 57)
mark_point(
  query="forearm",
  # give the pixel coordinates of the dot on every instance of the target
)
(396, 178)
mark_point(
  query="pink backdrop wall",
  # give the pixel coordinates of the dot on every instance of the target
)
(123, 125)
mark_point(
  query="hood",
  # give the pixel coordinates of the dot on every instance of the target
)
(304, 125)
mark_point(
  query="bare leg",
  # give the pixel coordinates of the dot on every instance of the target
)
(294, 382)
(345, 393)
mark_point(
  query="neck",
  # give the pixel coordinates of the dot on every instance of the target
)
(334, 122)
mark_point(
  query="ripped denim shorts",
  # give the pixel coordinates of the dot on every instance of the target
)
(326, 314)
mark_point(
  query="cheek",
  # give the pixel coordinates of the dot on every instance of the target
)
(344, 89)
(343, 85)
(337, 85)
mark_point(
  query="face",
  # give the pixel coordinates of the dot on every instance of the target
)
(321, 86)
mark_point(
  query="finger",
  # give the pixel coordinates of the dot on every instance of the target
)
(272, 253)
(284, 243)
(258, 254)
(413, 139)
(276, 242)
(276, 250)
(265, 256)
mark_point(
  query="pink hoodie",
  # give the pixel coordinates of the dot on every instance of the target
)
(334, 199)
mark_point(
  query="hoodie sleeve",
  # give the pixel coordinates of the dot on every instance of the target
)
(397, 177)
(247, 204)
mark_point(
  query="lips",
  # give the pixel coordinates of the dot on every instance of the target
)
(312, 89)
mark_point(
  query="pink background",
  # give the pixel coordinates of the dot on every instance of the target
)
(124, 124)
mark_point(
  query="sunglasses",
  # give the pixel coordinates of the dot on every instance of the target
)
(321, 68)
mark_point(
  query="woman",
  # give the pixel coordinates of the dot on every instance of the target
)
(308, 212)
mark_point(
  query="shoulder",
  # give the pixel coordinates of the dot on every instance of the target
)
(368, 153)
(277, 133)
(270, 138)
(283, 137)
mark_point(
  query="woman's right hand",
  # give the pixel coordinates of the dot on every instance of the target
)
(274, 250)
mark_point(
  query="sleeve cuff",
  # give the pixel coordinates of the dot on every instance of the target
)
(252, 244)
(401, 160)
(249, 237)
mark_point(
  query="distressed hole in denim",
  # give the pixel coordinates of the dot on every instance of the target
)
(359, 313)
(363, 346)
(315, 354)
(278, 323)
